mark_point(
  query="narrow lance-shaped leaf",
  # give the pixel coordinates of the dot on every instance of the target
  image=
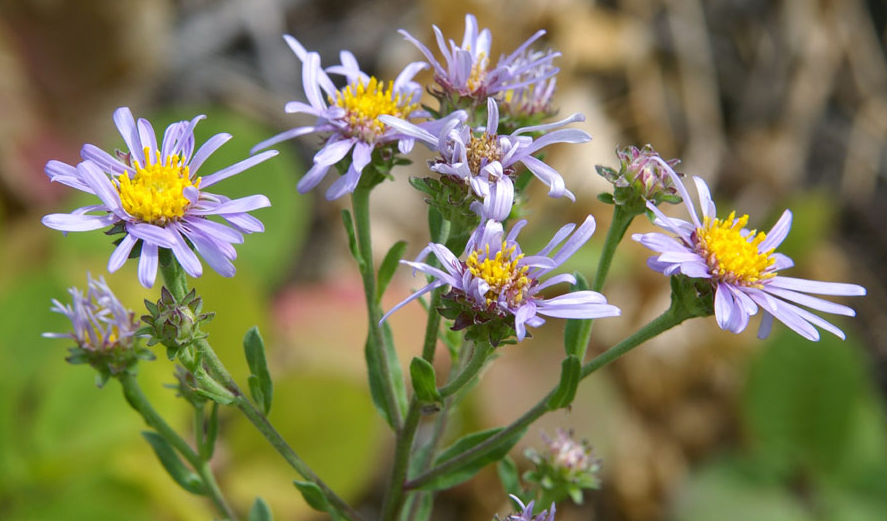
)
(260, 511)
(375, 375)
(577, 331)
(352, 238)
(508, 475)
(260, 384)
(316, 498)
(472, 465)
(388, 267)
(571, 369)
(187, 479)
(424, 381)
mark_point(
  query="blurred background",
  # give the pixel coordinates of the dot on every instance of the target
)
(775, 103)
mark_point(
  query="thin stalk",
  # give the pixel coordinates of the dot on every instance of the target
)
(360, 201)
(140, 403)
(394, 499)
(672, 317)
(479, 356)
(621, 220)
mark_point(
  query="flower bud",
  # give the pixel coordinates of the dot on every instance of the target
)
(176, 324)
(642, 176)
(564, 467)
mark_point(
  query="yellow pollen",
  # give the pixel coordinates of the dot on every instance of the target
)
(482, 150)
(365, 102)
(155, 193)
(502, 273)
(731, 257)
(478, 73)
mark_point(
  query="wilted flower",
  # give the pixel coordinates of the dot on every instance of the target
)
(564, 467)
(486, 162)
(104, 330)
(154, 195)
(742, 266)
(350, 116)
(467, 71)
(641, 177)
(497, 282)
(532, 98)
(526, 513)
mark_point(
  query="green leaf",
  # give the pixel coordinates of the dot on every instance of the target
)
(173, 465)
(316, 498)
(260, 384)
(352, 238)
(571, 368)
(606, 198)
(259, 511)
(435, 221)
(424, 381)
(375, 375)
(577, 331)
(388, 267)
(508, 475)
(211, 432)
(467, 469)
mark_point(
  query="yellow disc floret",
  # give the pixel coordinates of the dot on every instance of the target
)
(482, 150)
(155, 193)
(502, 273)
(365, 102)
(731, 256)
(478, 74)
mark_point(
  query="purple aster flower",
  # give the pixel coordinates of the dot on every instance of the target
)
(349, 115)
(467, 70)
(154, 195)
(497, 280)
(742, 266)
(527, 512)
(486, 162)
(534, 96)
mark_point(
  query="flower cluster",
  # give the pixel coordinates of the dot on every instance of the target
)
(526, 513)
(641, 177)
(564, 468)
(153, 195)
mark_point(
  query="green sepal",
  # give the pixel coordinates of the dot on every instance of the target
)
(577, 331)
(388, 267)
(259, 511)
(316, 498)
(424, 381)
(212, 390)
(508, 475)
(471, 466)
(375, 375)
(260, 385)
(173, 464)
(606, 198)
(571, 369)
(152, 308)
(352, 238)
(210, 433)
(77, 356)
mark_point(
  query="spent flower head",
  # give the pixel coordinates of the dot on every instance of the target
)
(350, 116)
(153, 195)
(466, 71)
(641, 177)
(498, 288)
(742, 267)
(486, 162)
(564, 467)
(104, 331)
(526, 513)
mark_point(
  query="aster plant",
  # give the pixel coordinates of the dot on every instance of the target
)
(482, 293)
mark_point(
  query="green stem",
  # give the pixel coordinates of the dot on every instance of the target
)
(672, 317)
(173, 274)
(621, 220)
(218, 371)
(140, 403)
(360, 201)
(403, 447)
(432, 326)
(479, 356)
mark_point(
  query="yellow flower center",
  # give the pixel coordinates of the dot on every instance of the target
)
(502, 273)
(732, 257)
(155, 193)
(482, 150)
(478, 73)
(364, 103)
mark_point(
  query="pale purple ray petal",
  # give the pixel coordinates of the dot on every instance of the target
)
(564, 135)
(539, 263)
(333, 152)
(414, 296)
(673, 225)
(511, 57)
(658, 242)
(78, 223)
(212, 144)
(766, 325)
(724, 306)
(283, 136)
(244, 222)
(579, 238)
(431, 270)
(405, 145)
(189, 261)
(312, 177)
(558, 238)
(406, 75)
(549, 176)
(121, 253)
(348, 182)
(66, 174)
(103, 159)
(409, 129)
(780, 262)
(787, 316)
(817, 287)
(492, 117)
(470, 36)
(778, 233)
(682, 190)
(695, 269)
(557, 279)
(298, 107)
(171, 136)
(705, 201)
(425, 51)
(100, 185)
(148, 265)
(185, 143)
(809, 301)
(212, 254)
(577, 307)
(814, 319)
(679, 256)
(241, 205)
(296, 47)
(214, 229)
(548, 126)
(236, 168)
(127, 127)
(149, 233)
(147, 136)
(523, 314)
